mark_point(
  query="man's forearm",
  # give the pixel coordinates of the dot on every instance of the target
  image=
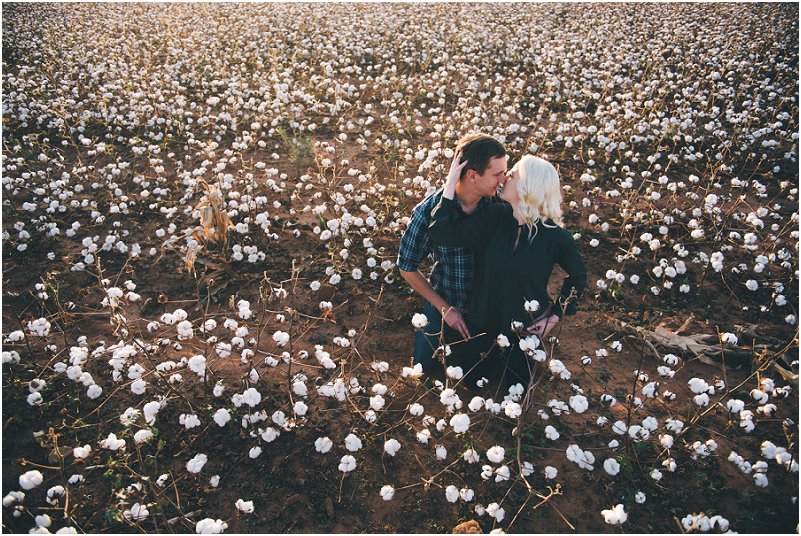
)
(421, 285)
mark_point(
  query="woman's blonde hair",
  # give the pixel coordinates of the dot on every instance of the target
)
(540, 196)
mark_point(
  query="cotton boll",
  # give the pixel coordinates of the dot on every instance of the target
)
(502, 473)
(379, 389)
(759, 396)
(454, 373)
(35, 399)
(377, 402)
(513, 410)
(197, 364)
(441, 452)
(323, 444)
(608, 399)
(656, 474)
(768, 449)
(112, 443)
(698, 386)
(30, 480)
(380, 366)
(150, 410)
(353, 443)
(460, 423)
(470, 456)
(391, 446)
(495, 454)
(13, 498)
(347, 464)
(579, 403)
(300, 408)
(674, 425)
(670, 360)
(138, 387)
(476, 404)
(387, 492)
(412, 372)
(210, 526)
(450, 399)
(196, 463)
(611, 466)
(246, 507)
(81, 453)
(423, 436)
(486, 472)
(221, 417)
(137, 513)
(619, 427)
(252, 397)
(189, 421)
(419, 320)
(584, 459)
(269, 434)
(43, 521)
(615, 516)
(495, 510)
(281, 338)
(142, 436)
(551, 433)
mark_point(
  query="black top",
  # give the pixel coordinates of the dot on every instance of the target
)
(505, 276)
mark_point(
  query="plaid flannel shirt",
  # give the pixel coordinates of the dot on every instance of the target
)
(452, 273)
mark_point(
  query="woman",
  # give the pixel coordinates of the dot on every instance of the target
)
(515, 246)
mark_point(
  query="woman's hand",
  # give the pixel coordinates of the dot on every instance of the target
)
(543, 326)
(453, 176)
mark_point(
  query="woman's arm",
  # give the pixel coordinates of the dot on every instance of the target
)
(570, 259)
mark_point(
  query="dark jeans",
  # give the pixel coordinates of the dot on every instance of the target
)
(428, 340)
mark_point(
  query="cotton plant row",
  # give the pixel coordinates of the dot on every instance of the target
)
(457, 413)
(702, 190)
(441, 418)
(753, 129)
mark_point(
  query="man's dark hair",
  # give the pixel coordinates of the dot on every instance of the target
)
(478, 149)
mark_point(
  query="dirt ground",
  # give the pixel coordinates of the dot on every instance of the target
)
(302, 493)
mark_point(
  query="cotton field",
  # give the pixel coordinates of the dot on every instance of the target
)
(204, 328)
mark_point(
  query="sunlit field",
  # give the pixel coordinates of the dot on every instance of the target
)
(204, 328)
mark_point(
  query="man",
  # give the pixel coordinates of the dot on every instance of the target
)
(447, 294)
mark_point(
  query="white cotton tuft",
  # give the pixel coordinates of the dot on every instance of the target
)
(615, 516)
(391, 446)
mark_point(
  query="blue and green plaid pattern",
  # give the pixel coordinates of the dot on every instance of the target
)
(452, 273)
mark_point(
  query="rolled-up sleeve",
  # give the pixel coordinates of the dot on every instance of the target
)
(415, 244)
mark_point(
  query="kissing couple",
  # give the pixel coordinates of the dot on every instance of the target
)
(495, 237)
